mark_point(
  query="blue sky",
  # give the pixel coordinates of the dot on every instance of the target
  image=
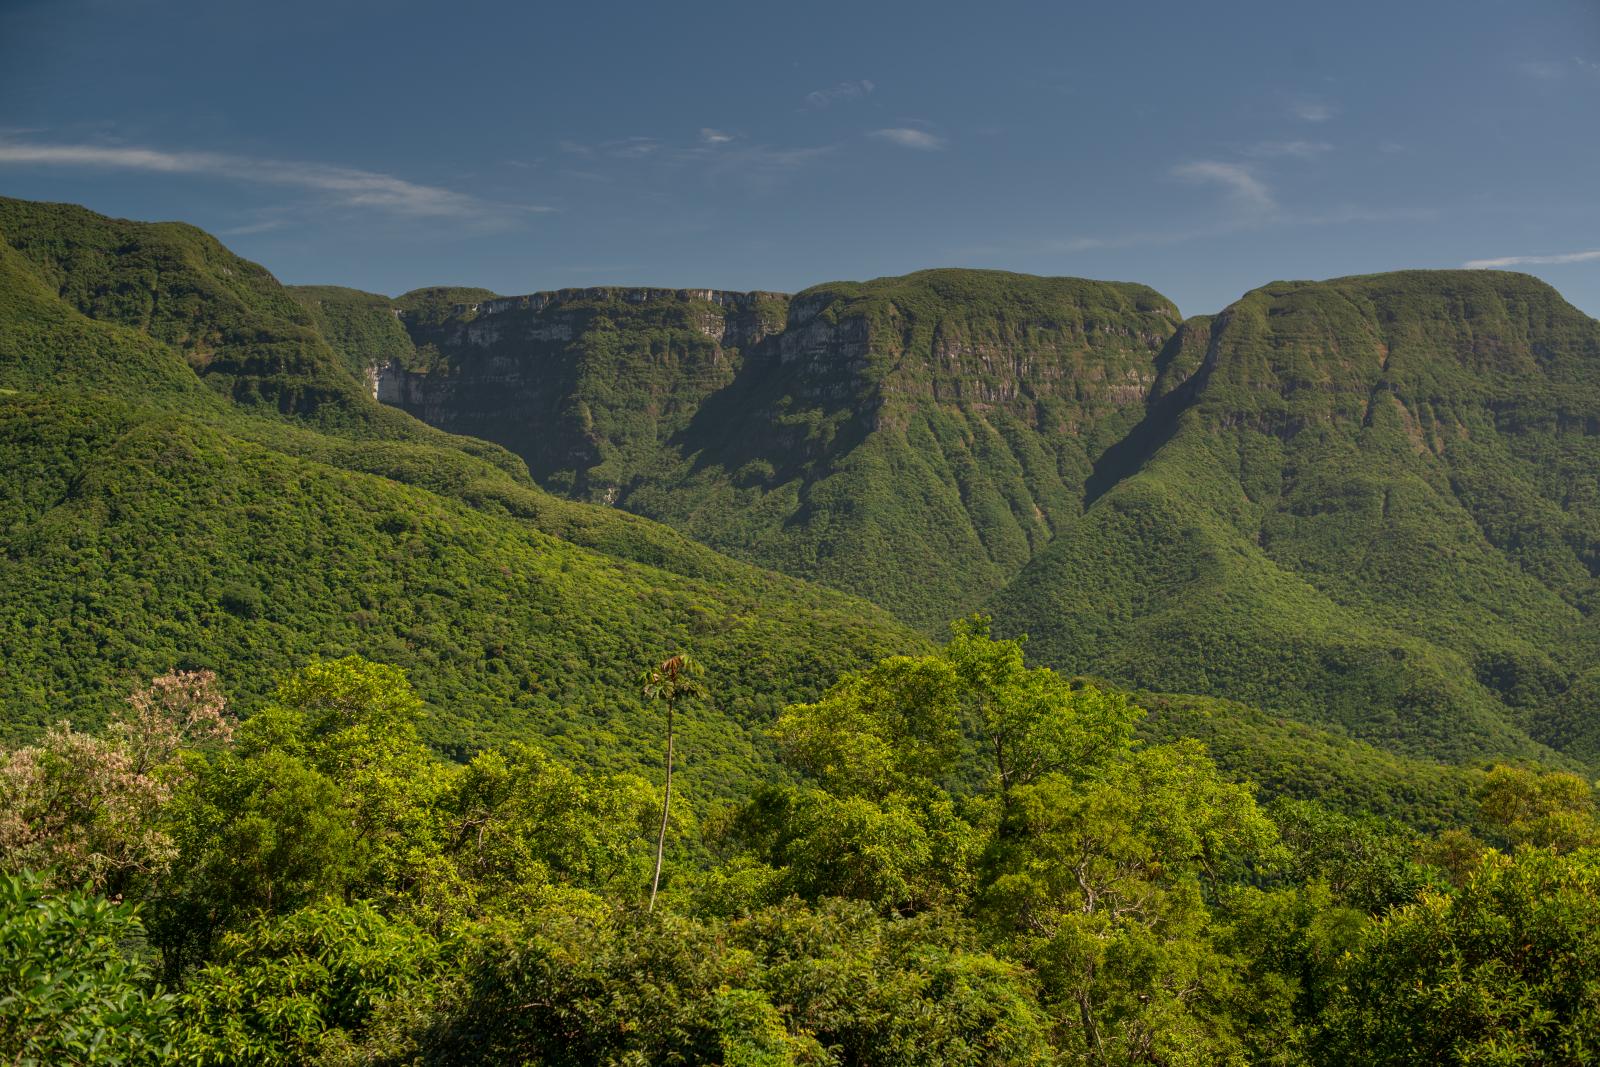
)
(1204, 149)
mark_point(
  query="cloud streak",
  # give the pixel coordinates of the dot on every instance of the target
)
(1290, 149)
(1313, 110)
(1521, 261)
(905, 137)
(347, 186)
(757, 167)
(1247, 191)
(246, 230)
(715, 154)
(839, 94)
(1554, 70)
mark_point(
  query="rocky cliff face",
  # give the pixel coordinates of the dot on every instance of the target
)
(948, 418)
(585, 384)
(1373, 500)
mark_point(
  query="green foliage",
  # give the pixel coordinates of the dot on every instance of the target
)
(71, 992)
(291, 990)
(1365, 862)
(255, 836)
(1296, 760)
(232, 322)
(338, 894)
(148, 522)
(363, 329)
(894, 726)
(901, 854)
(973, 710)
(791, 984)
(913, 440)
(1505, 971)
(1032, 722)
(1367, 503)
(520, 822)
(1547, 810)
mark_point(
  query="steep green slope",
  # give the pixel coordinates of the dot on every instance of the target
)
(149, 519)
(438, 302)
(231, 320)
(363, 329)
(45, 342)
(1286, 758)
(1370, 501)
(149, 540)
(914, 440)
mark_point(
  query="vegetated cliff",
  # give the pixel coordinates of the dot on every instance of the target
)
(1371, 500)
(238, 329)
(914, 440)
(363, 329)
(1369, 503)
(191, 477)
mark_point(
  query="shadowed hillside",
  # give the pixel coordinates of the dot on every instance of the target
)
(914, 440)
(1369, 502)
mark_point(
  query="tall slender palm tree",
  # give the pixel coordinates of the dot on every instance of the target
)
(674, 679)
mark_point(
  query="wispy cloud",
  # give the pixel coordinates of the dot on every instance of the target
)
(1313, 110)
(906, 137)
(716, 154)
(348, 186)
(1292, 149)
(1247, 191)
(616, 148)
(1520, 261)
(1553, 70)
(1055, 246)
(757, 167)
(838, 94)
(254, 227)
(1545, 70)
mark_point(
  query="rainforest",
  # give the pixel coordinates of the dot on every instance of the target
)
(959, 668)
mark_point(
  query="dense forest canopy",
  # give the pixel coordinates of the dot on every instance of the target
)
(979, 864)
(1368, 503)
(637, 733)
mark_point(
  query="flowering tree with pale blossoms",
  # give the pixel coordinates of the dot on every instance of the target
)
(83, 806)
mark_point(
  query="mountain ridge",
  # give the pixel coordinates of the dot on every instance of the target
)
(897, 382)
(1368, 503)
(740, 424)
(251, 508)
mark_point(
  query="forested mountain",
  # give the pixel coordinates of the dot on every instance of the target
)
(333, 737)
(1369, 502)
(193, 478)
(914, 440)
(182, 439)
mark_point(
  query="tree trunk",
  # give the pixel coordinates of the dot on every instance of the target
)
(666, 803)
